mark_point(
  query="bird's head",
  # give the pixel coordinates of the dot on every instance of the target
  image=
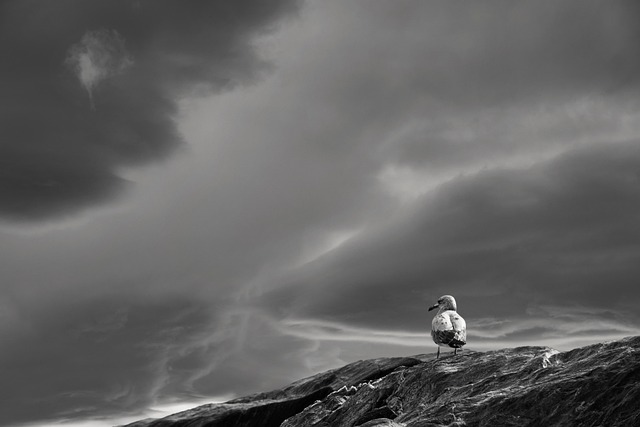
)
(445, 302)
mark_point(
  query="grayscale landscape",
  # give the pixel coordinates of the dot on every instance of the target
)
(202, 201)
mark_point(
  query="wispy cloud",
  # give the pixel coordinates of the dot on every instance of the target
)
(559, 327)
(99, 55)
(331, 331)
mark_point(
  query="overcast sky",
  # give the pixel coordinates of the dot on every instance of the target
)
(200, 200)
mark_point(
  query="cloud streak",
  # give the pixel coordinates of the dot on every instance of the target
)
(567, 328)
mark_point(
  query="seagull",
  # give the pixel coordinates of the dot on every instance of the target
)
(448, 328)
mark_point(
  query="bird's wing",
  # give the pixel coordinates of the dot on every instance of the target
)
(441, 329)
(441, 322)
(459, 326)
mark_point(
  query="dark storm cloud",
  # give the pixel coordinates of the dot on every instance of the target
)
(443, 84)
(560, 233)
(91, 86)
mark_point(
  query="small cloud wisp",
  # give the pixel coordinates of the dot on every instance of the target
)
(99, 55)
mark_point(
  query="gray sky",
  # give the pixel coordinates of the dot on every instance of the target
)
(199, 201)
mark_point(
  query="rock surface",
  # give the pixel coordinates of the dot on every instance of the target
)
(596, 385)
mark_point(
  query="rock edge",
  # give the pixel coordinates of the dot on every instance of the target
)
(524, 386)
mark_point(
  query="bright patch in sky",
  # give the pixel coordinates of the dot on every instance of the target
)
(97, 56)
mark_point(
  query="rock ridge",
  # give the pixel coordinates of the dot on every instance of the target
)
(595, 385)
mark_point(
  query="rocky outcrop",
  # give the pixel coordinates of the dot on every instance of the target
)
(596, 385)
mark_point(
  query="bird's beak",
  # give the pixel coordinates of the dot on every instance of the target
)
(436, 305)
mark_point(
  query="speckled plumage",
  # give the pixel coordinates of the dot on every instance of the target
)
(448, 328)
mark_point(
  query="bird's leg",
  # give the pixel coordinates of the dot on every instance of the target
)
(455, 351)
(438, 355)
